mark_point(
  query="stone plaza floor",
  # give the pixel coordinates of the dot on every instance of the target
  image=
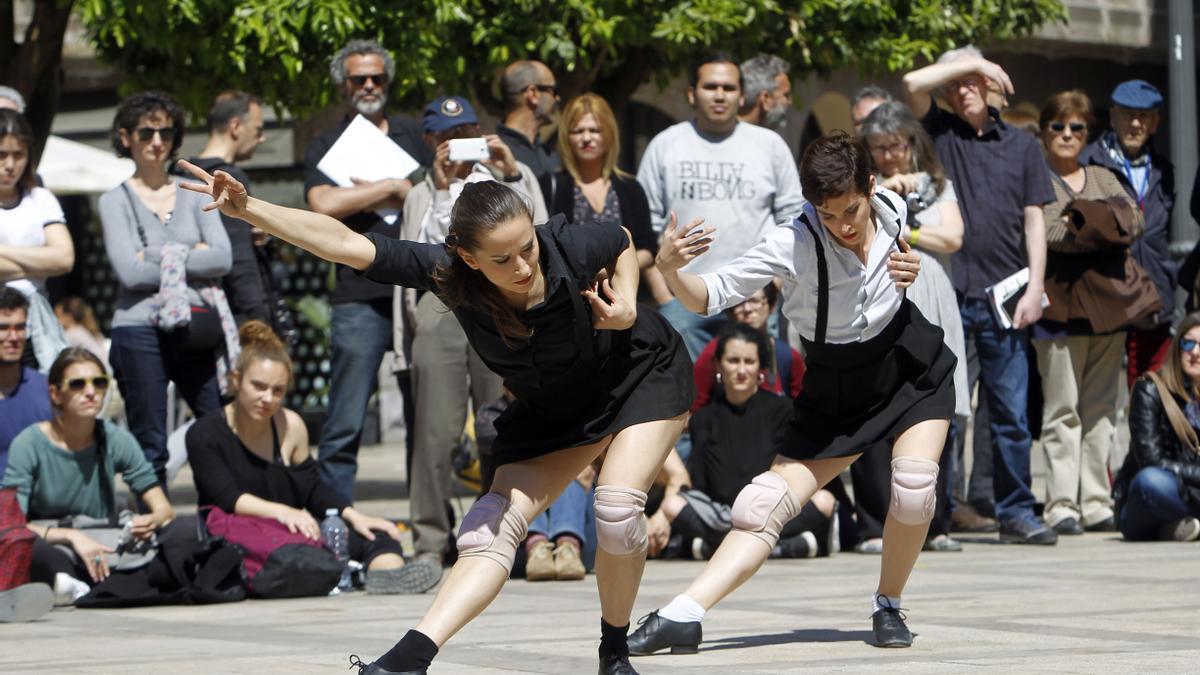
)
(1091, 604)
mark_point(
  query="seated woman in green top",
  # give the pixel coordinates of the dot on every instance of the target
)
(53, 465)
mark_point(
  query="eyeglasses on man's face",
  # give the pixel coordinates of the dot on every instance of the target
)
(360, 81)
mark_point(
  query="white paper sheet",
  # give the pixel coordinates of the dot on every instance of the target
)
(366, 153)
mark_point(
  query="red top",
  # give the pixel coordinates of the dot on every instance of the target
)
(705, 373)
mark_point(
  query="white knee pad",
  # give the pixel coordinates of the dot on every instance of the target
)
(914, 489)
(620, 520)
(764, 506)
(492, 529)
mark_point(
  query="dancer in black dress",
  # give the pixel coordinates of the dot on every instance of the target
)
(591, 374)
(878, 379)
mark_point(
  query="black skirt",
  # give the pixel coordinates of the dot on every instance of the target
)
(647, 376)
(860, 396)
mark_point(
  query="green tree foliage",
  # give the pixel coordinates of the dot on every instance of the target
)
(279, 49)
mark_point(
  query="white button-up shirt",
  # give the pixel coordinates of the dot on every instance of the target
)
(863, 298)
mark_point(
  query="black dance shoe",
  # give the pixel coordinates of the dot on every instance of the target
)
(890, 629)
(655, 633)
(372, 669)
(616, 664)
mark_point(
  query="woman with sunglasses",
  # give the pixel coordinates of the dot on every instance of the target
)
(1080, 340)
(1157, 490)
(590, 373)
(65, 467)
(143, 218)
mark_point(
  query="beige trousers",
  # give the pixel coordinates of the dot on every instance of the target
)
(1081, 376)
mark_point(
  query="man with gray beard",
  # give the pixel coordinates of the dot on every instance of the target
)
(362, 309)
(768, 92)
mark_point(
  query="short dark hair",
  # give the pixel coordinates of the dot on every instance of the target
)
(715, 57)
(515, 79)
(1067, 103)
(746, 333)
(872, 91)
(13, 123)
(11, 298)
(135, 106)
(833, 165)
(229, 105)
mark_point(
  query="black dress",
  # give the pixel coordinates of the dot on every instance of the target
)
(859, 396)
(573, 384)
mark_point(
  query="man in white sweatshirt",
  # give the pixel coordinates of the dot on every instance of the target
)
(739, 178)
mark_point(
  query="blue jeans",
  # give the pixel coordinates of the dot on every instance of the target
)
(697, 331)
(1155, 499)
(362, 334)
(145, 360)
(1004, 375)
(571, 514)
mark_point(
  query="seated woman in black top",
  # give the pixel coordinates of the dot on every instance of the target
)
(734, 438)
(1157, 490)
(589, 372)
(252, 458)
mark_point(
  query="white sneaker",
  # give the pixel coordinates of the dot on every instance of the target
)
(1184, 529)
(68, 589)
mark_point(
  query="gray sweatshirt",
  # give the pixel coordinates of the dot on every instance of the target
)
(741, 184)
(120, 213)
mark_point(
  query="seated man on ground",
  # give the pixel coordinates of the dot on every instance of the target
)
(24, 397)
(64, 469)
(734, 438)
(252, 458)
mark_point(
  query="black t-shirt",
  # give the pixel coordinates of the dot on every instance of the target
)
(550, 359)
(541, 158)
(404, 132)
(224, 469)
(733, 444)
(243, 285)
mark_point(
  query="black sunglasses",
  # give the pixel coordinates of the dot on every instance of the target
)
(551, 89)
(379, 79)
(100, 383)
(1187, 346)
(1076, 127)
(146, 133)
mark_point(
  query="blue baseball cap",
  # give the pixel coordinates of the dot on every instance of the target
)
(447, 112)
(1137, 95)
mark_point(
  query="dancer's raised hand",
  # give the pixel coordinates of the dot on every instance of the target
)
(680, 246)
(228, 194)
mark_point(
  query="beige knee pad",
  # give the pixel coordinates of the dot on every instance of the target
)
(914, 490)
(764, 506)
(492, 529)
(620, 520)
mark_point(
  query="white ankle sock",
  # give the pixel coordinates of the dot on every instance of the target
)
(879, 602)
(682, 609)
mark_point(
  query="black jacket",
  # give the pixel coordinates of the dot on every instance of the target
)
(635, 209)
(1152, 442)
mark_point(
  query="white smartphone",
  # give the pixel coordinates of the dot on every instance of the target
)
(468, 149)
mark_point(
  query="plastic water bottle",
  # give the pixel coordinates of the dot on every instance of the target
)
(337, 539)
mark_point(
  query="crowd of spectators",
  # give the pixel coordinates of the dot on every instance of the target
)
(1076, 211)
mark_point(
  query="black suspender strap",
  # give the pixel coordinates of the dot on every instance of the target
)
(822, 283)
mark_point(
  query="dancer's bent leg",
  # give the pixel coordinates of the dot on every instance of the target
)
(520, 491)
(743, 552)
(914, 495)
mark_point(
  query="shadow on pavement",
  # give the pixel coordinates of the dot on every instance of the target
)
(791, 637)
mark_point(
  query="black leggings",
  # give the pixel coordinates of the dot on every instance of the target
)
(365, 551)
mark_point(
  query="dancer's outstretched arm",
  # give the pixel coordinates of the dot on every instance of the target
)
(314, 232)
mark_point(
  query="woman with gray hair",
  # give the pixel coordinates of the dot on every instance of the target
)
(906, 163)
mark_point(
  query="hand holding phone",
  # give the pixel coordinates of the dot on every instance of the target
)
(469, 150)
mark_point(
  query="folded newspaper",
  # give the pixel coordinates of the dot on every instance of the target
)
(364, 152)
(1006, 293)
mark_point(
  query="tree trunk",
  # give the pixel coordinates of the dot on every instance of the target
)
(34, 67)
